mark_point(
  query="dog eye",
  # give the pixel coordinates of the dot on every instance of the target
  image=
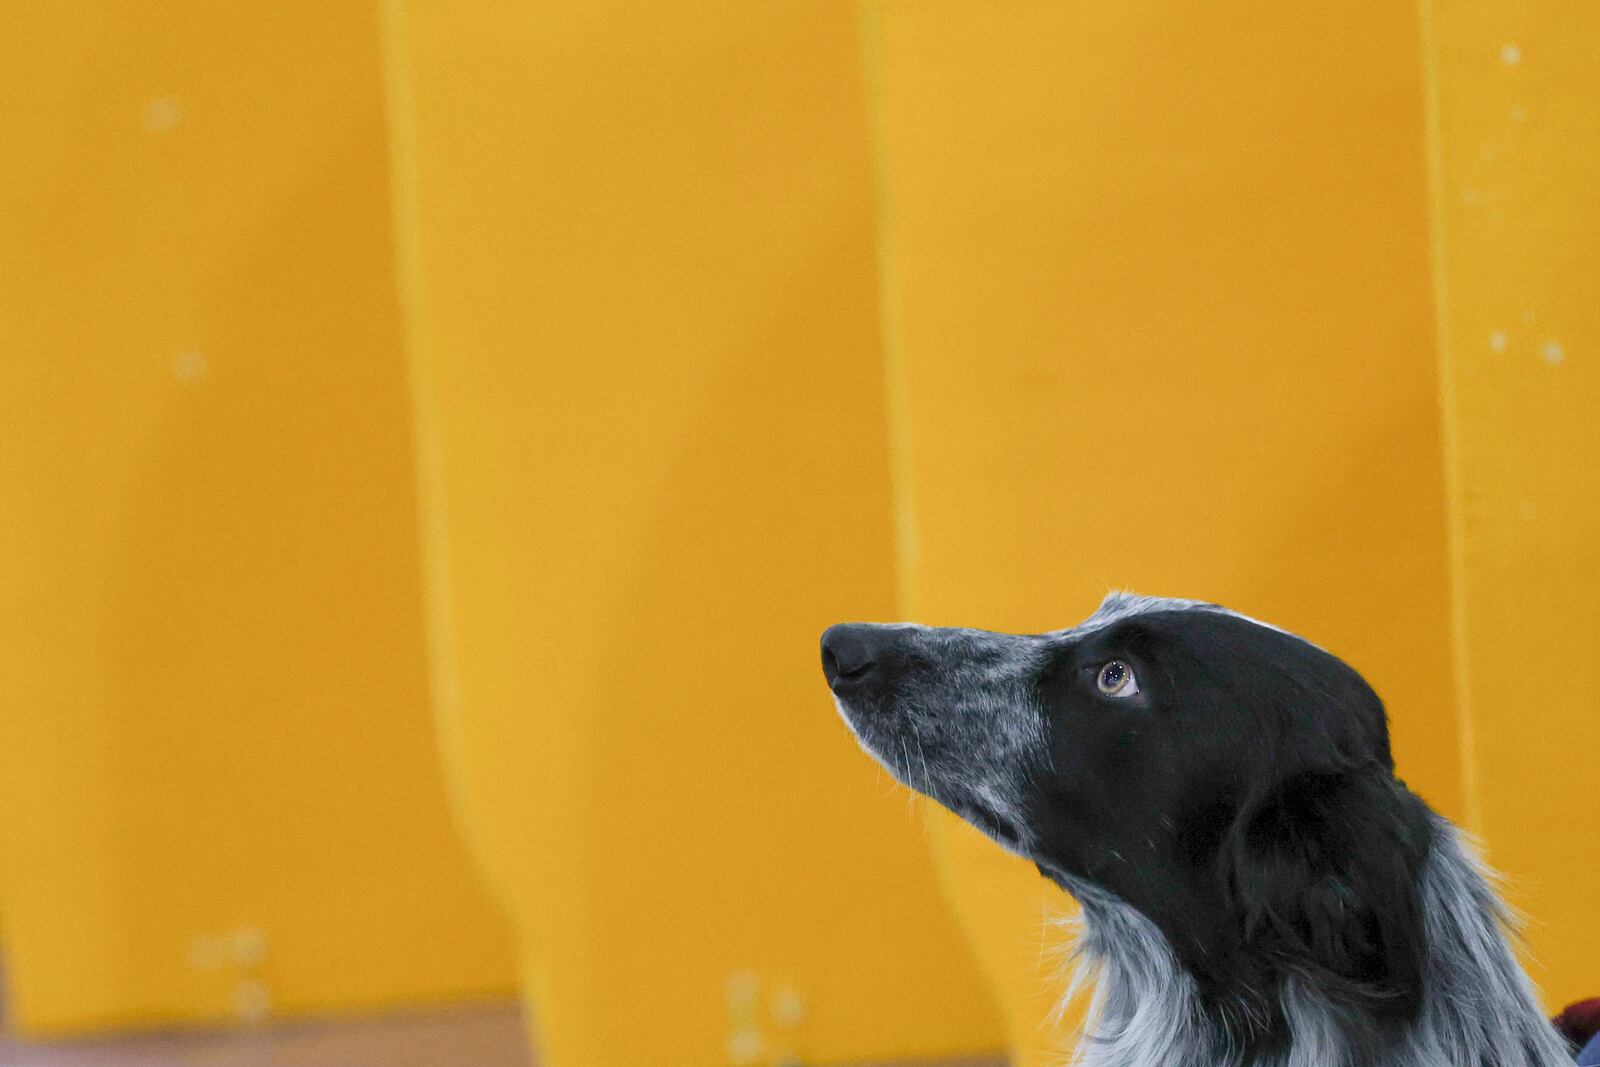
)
(1116, 680)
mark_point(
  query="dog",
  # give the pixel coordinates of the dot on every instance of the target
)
(1256, 887)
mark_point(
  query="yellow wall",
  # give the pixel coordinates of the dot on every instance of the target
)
(639, 248)
(1516, 140)
(1158, 288)
(214, 715)
(1157, 313)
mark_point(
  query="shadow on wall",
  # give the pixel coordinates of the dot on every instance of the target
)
(281, 765)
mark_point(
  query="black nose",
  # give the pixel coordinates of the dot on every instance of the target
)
(854, 654)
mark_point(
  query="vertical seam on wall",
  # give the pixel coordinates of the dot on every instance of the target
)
(1449, 403)
(426, 440)
(897, 399)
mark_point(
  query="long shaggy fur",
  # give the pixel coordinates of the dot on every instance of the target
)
(1478, 1008)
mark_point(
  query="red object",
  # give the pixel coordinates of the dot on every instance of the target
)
(1579, 1022)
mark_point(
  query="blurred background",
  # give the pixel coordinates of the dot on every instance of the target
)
(433, 436)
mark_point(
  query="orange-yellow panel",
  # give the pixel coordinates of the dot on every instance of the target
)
(1159, 313)
(1517, 163)
(219, 779)
(639, 245)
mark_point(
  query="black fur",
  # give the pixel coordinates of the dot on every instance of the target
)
(1244, 801)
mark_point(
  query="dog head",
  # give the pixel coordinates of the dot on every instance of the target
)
(1230, 780)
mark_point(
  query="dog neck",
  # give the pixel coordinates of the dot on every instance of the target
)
(1477, 1007)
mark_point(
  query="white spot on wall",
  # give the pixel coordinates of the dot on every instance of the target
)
(744, 1047)
(1529, 512)
(1518, 113)
(162, 114)
(788, 1009)
(1553, 352)
(1498, 341)
(251, 1001)
(746, 1043)
(248, 947)
(1510, 54)
(189, 366)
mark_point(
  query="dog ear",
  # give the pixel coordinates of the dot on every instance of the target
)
(1322, 870)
